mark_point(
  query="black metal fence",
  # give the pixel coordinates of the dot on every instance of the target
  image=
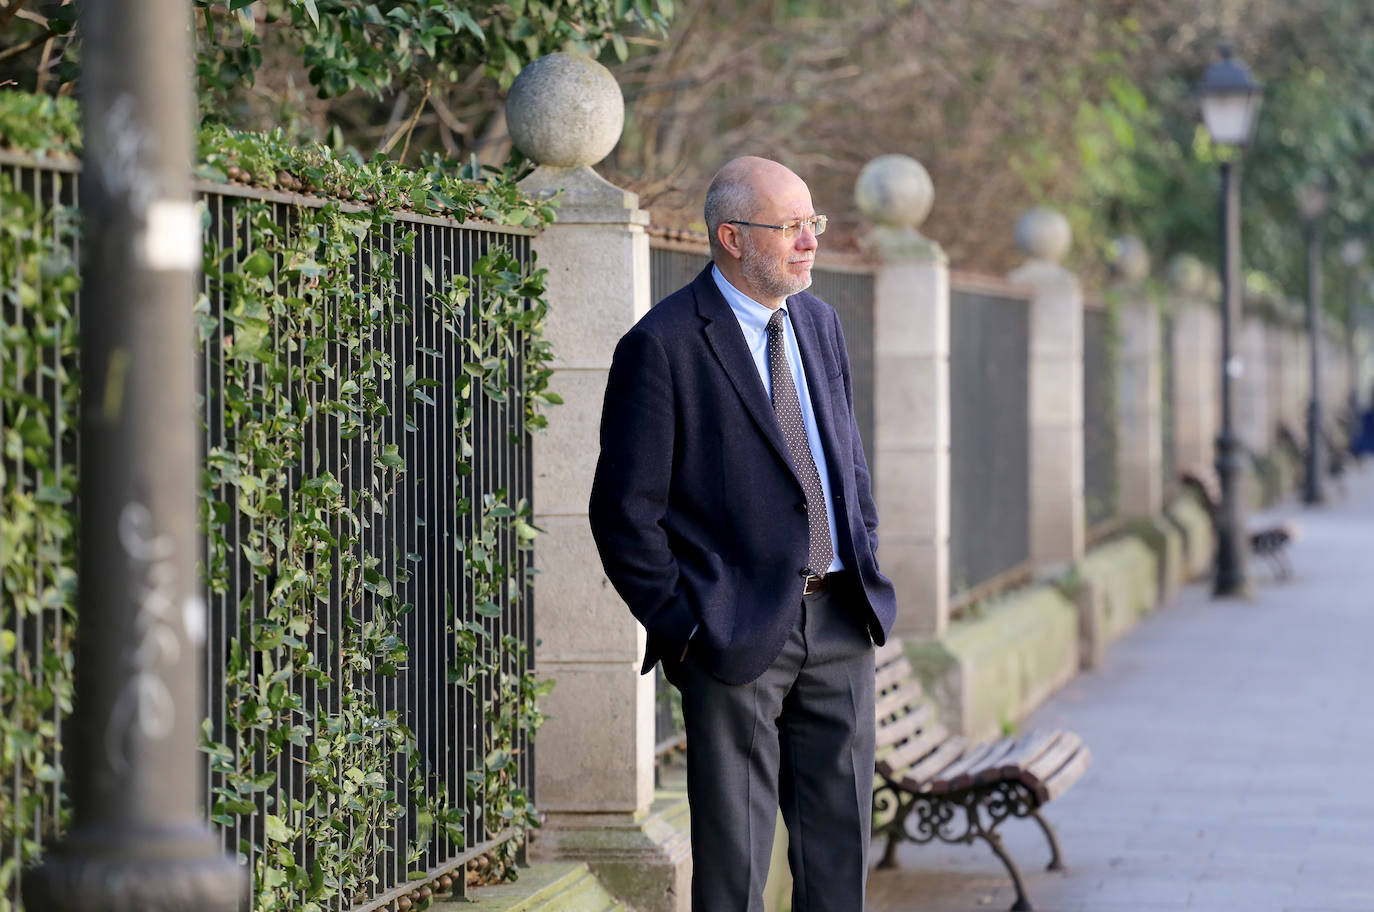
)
(1168, 406)
(438, 775)
(989, 420)
(850, 292)
(38, 461)
(1100, 492)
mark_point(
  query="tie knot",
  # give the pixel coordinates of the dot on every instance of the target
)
(775, 321)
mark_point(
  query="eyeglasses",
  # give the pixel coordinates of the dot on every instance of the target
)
(790, 230)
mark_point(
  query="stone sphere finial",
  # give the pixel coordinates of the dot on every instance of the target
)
(1130, 259)
(894, 190)
(1187, 274)
(1044, 234)
(565, 110)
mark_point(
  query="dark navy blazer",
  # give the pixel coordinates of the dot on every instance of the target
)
(696, 509)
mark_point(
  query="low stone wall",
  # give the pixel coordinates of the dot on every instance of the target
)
(1199, 541)
(1117, 584)
(986, 674)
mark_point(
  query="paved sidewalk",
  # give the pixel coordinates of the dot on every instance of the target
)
(1233, 747)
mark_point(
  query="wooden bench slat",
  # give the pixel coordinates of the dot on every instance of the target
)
(890, 651)
(943, 780)
(917, 777)
(909, 695)
(1067, 775)
(913, 749)
(891, 675)
(1047, 764)
(991, 760)
(889, 733)
(1032, 745)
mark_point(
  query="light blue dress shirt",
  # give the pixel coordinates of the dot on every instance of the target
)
(753, 321)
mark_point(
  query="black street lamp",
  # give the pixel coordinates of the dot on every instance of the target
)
(1312, 201)
(1352, 254)
(1230, 101)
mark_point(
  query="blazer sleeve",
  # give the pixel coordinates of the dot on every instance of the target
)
(630, 491)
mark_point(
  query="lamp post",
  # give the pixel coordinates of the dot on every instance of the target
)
(1352, 254)
(1230, 101)
(1312, 200)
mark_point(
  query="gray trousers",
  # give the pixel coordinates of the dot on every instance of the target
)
(800, 737)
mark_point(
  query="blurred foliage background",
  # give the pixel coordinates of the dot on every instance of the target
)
(1082, 104)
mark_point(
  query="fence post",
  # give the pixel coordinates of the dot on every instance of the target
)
(911, 391)
(1197, 352)
(139, 839)
(1057, 530)
(594, 767)
(1140, 447)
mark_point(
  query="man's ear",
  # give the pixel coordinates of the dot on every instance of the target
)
(729, 237)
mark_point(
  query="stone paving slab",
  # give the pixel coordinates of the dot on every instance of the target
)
(1232, 744)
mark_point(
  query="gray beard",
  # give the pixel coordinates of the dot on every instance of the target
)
(762, 273)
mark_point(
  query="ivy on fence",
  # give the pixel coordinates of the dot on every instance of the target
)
(37, 534)
(294, 308)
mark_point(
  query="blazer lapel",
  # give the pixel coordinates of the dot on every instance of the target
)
(817, 377)
(727, 342)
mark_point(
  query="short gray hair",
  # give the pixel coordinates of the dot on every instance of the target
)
(730, 196)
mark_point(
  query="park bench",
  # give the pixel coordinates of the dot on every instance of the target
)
(1268, 540)
(1337, 446)
(936, 785)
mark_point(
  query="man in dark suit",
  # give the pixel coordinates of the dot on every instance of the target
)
(733, 513)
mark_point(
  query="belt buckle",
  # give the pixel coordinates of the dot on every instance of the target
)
(813, 584)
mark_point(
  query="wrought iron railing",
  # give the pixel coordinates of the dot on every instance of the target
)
(1100, 494)
(1168, 407)
(418, 537)
(989, 365)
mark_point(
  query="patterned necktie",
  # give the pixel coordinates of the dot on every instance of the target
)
(788, 409)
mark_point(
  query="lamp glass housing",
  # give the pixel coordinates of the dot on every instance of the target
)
(1230, 116)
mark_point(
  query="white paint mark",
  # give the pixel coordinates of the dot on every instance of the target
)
(193, 616)
(171, 236)
(145, 705)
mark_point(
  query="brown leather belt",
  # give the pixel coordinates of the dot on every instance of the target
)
(816, 584)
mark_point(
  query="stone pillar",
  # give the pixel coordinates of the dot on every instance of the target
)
(911, 391)
(1197, 353)
(594, 756)
(1056, 390)
(1140, 437)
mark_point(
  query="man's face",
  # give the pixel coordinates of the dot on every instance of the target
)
(776, 267)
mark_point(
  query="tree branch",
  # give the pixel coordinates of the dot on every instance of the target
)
(29, 45)
(8, 13)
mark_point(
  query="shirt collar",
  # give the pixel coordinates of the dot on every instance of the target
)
(751, 314)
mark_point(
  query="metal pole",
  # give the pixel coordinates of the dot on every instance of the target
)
(1313, 489)
(139, 839)
(1352, 359)
(1231, 578)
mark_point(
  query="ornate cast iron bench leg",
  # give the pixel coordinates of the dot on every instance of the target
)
(989, 835)
(1056, 859)
(887, 798)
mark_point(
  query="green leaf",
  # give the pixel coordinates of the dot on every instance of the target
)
(259, 264)
(276, 829)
